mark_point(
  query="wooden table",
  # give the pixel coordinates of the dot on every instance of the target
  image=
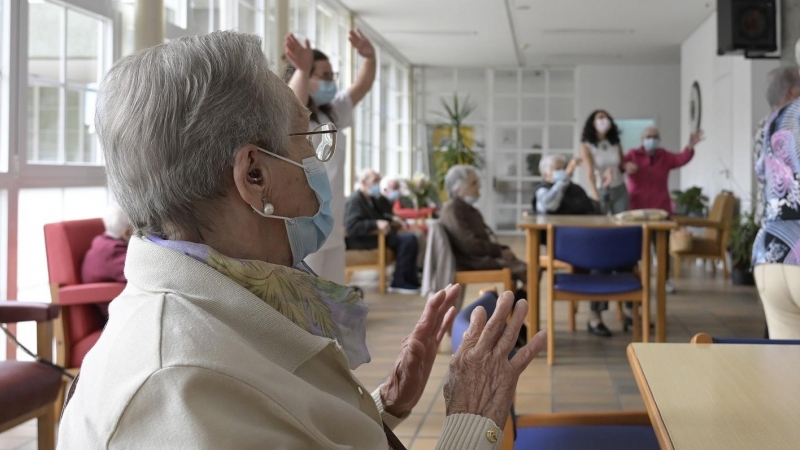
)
(720, 396)
(534, 224)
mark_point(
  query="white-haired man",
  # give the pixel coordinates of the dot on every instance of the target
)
(557, 194)
(365, 212)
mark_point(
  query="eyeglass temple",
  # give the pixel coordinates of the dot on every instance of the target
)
(313, 132)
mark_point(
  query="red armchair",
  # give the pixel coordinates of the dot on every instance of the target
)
(28, 390)
(81, 321)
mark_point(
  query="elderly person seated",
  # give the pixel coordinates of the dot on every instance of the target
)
(105, 259)
(557, 194)
(368, 212)
(475, 246)
(222, 339)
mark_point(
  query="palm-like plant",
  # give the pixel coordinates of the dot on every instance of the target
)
(454, 150)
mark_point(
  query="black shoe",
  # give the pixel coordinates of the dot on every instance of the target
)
(599, 330)
(628, 323)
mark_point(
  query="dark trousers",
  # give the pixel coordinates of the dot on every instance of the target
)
(405, 248)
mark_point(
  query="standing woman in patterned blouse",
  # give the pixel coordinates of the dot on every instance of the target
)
(776, 252)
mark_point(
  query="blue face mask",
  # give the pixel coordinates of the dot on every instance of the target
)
(375, 190)
(393, 195)
(559, 175)
(308, 234)
(325, 93)
(471, 199)
(651, 144)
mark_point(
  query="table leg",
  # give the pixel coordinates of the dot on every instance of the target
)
(661, 288)
(532, 250)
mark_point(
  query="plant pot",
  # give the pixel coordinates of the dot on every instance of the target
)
(742, 276)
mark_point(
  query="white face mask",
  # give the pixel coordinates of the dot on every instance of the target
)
(602, 125)
(651, 144)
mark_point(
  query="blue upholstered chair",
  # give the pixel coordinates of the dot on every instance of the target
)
(606, 255)
(703, 338)
(565, 431)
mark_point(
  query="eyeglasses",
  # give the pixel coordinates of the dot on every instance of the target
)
(322, 139)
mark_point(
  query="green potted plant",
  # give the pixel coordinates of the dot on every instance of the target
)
(691, 202)
(740, 246)
(457, 147)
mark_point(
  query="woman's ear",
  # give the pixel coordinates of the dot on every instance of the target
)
(250, 176)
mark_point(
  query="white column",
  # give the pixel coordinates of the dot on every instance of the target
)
(149, 23)
(282, 24)
(790, 29)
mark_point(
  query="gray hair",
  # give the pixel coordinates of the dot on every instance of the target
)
(172, 117)
(116, 222)
(386, 181)
(780, 84)
(456, 177)
(547, 163)
(363, 174)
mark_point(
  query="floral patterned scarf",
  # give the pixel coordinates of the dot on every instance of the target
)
(319, 306)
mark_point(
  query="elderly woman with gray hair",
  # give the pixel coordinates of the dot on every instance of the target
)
(475, 245)
(223, 338)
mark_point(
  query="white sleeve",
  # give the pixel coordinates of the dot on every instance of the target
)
(343, 109)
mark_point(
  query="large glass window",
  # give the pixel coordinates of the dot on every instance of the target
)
(66, 58)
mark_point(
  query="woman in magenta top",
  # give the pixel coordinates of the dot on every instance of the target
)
(648, 181)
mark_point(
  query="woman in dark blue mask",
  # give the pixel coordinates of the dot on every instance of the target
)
(313, 80)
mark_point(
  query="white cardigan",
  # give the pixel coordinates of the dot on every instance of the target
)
(190, 359)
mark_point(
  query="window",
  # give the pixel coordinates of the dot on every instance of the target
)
(175, 12)
(301, 19)
(66, 58)
(204, 16)
(250, 17)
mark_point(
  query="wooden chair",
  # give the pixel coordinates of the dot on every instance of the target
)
(566, 431)
(502, 276)
(713, 245)
(574, 431)
(374, 259)
(81, 322)
(598, 249)
(29, 390)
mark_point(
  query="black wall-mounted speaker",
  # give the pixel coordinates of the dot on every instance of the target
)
(749, 27)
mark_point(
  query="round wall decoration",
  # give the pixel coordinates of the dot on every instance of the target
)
(695, 107)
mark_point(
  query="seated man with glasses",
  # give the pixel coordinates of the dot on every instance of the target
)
(364, 215)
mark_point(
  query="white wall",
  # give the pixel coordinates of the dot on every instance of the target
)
(633, 92)
(733, 103)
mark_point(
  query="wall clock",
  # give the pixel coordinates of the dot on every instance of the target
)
(695, 107)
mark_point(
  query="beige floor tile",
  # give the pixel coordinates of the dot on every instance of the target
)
(424, 444)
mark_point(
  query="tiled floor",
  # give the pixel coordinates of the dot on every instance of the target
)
(591, 373)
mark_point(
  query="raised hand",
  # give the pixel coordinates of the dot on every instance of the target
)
(362, 45)
(301, 56)
(405, 385)
(482, 380)
(573, 164)
(630, 168)
(696, 138)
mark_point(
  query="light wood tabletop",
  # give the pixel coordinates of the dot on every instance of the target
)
(541, 221)
(720, 396)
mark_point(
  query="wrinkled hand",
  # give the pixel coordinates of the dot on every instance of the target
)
(696, 138)
(630, 168)
(362, 45)
(301, 57)
(384, 226)
(405, 385)
(573, 164)
(482, 379)
(507, 255)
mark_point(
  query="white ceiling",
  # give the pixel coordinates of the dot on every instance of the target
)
(545, 32)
